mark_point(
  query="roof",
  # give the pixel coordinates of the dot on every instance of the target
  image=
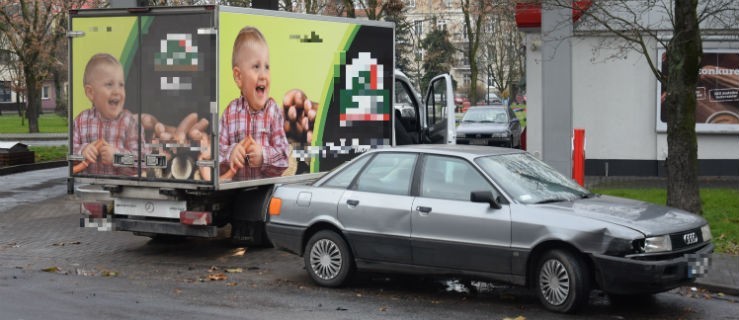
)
(13, 146)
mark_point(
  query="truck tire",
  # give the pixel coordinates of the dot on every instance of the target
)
(328, 259)
(562, 281)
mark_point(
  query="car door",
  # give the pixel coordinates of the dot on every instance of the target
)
(440, 118)
(450, 231)
(376, 210)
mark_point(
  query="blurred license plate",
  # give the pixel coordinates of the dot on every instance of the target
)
(478, 141)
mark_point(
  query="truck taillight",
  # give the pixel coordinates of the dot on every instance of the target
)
(94, 209)
(196, 218)
(275, 204)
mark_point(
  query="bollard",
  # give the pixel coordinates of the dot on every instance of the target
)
(578, 156)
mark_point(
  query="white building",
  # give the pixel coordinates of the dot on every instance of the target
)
(614, 97)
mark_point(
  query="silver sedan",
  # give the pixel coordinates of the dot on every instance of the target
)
(485, 213)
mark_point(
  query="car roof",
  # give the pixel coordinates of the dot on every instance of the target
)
(465, 151)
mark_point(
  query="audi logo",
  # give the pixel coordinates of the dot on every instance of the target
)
(690, 238)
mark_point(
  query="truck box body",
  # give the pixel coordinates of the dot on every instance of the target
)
(148, 154)
(179, 62)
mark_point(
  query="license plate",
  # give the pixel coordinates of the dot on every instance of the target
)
(149, 208)
(697, 264)
(479, 141)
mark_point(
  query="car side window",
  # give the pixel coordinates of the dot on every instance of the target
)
(451, 178)
(344, 178)
(388, 173)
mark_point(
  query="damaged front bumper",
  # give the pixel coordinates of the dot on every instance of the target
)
(621, 275)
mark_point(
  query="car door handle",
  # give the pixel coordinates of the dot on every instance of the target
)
(352, 203)
(423, 210)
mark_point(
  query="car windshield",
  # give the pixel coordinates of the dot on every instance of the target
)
(485, 115)
(529, 180)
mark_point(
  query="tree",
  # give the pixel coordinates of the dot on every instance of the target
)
(403, 34)
(474, 13)
(439, 53)
(642, 23)
(501, 48)
(33, 30)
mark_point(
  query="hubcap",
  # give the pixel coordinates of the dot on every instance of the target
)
(325, 259)
(554, 282)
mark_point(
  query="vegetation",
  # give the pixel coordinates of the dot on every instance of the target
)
(48, 123)
(49, 153)
(720, 208)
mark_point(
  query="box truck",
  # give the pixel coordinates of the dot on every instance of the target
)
(183, 119)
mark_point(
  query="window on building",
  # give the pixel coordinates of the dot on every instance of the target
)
(4, 91)
(466, 80)
(45, 92)
(441, 24)
(410, 3)
(448, 3)
(418, 27)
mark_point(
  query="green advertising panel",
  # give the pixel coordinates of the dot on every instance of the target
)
(104, 124)
(287, 81)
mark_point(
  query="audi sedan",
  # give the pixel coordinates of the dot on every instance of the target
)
(485, 213)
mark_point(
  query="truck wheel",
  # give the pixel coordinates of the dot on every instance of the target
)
(328, 260)
(562, 281)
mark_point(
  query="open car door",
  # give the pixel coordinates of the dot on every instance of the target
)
(440, 111)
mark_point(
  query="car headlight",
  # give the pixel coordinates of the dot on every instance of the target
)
(706, 233)
(657, 244)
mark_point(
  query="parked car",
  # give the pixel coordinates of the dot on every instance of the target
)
(493, 125)
(485, 213)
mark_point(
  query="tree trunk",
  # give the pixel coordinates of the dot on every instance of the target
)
(33, 98)
(684, 53)
(61, 101)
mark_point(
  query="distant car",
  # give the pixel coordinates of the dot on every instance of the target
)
(494, 125)
(485, 213)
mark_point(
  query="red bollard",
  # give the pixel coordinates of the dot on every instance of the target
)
(578, 156)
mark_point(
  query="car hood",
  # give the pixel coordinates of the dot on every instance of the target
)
(475, 127)
(647, 218)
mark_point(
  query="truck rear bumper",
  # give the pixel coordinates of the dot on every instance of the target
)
(164, 227)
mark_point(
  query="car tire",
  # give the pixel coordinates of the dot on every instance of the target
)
(562, 281)
(328, 259)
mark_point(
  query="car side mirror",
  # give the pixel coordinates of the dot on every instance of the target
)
(486, 197)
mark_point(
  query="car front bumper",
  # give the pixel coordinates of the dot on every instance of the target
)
(489, 141)
(630, 276)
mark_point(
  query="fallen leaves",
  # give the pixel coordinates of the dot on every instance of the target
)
(217, 277)
(54, 269)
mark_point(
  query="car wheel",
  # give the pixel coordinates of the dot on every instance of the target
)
(562, 281)
(328, 260)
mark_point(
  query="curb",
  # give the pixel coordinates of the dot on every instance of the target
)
(32, 166)
(727, 290)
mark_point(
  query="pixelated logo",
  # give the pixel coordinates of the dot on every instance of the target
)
(177, 53)
(364, 97)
